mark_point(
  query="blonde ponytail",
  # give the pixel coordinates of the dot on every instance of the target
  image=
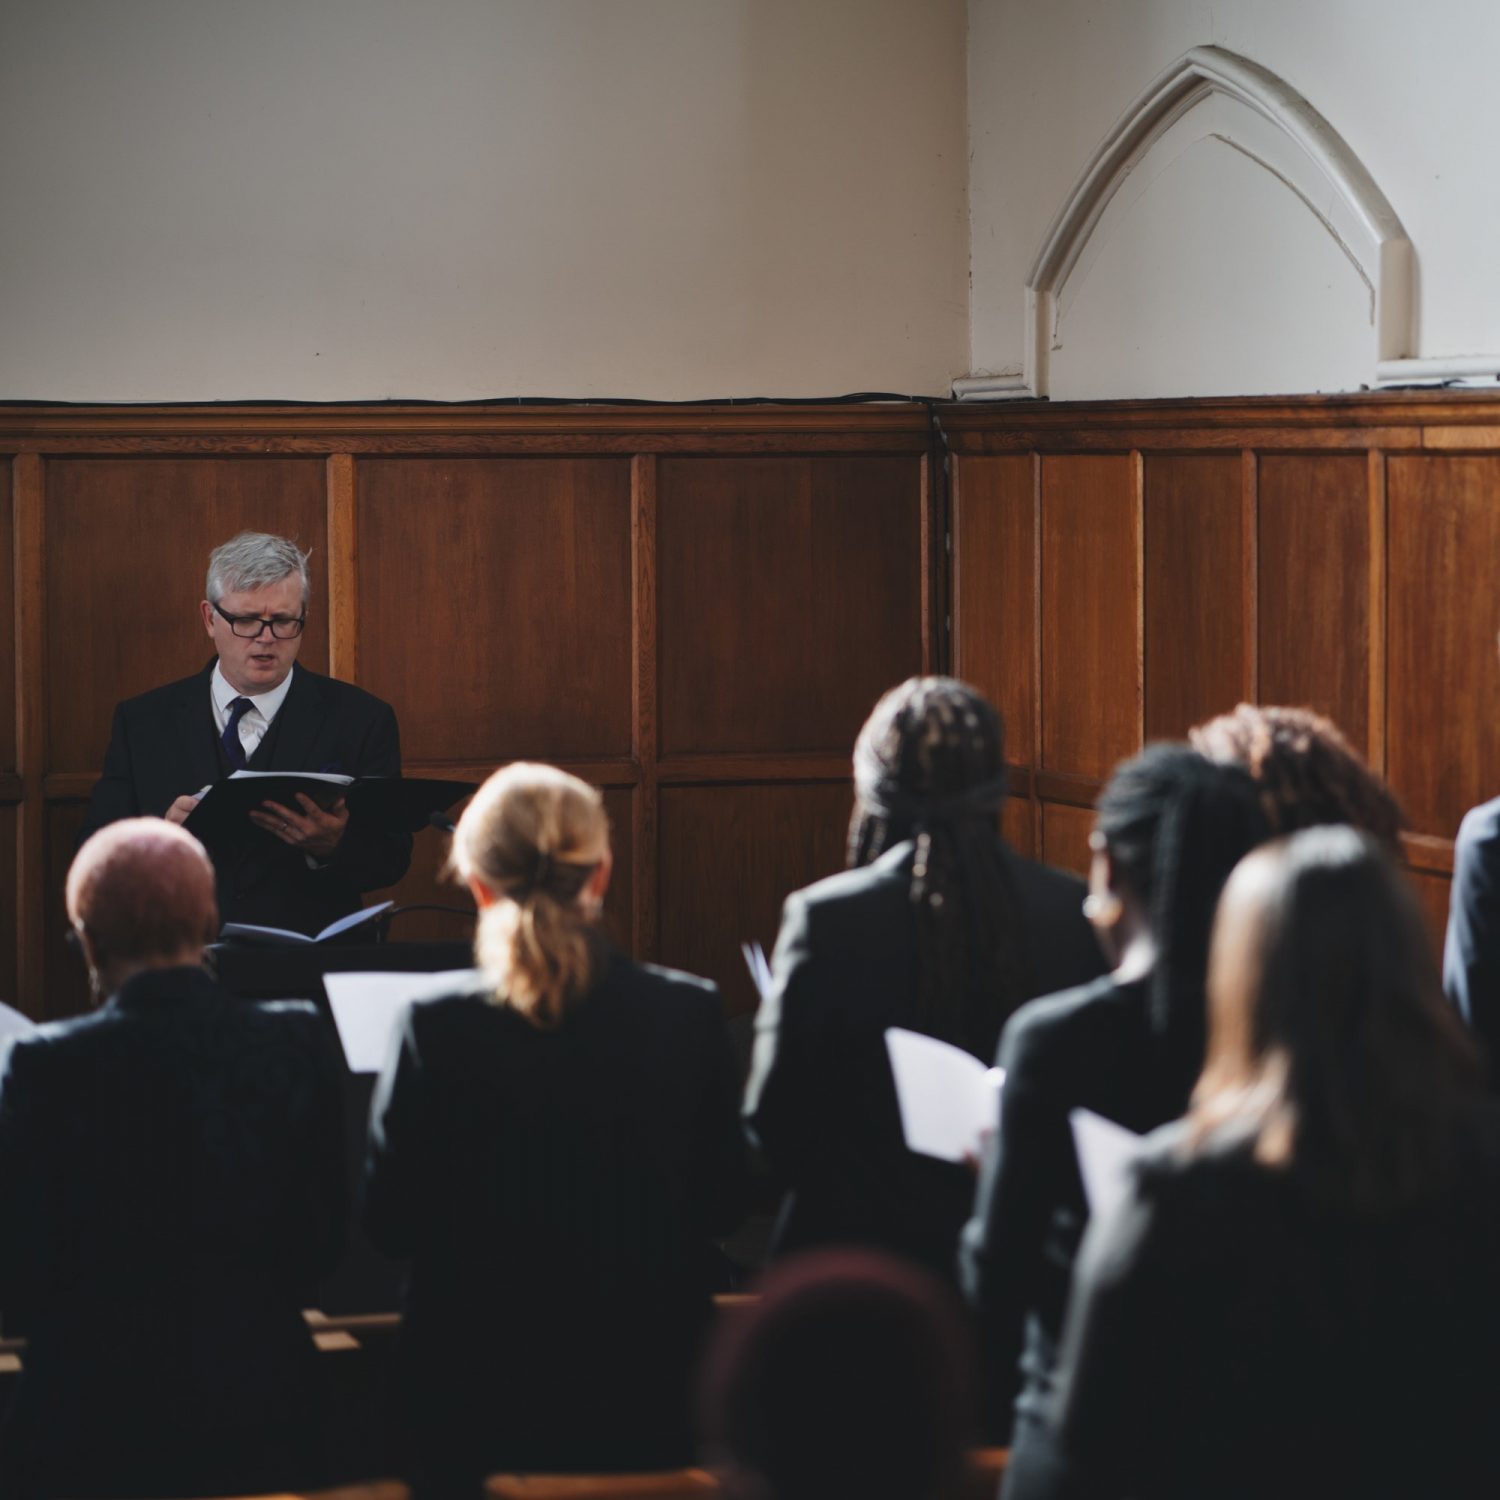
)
(533, 836)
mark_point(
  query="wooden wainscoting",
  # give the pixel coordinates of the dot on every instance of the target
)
(1124, 570)
(693, 607)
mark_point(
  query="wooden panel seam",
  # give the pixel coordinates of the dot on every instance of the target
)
(28, 499)
(646, 823)
(1379, 574)
(1036, 644)
(1138, 485)
(343, 570)
(1250, 590)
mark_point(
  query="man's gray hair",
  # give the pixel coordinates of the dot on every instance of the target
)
(252, 560)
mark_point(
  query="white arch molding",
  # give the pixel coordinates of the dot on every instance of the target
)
(1246, 106)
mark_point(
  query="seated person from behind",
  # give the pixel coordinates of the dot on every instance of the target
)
(937, 926)
(254, 707)
(1171, 826)
(851, 1376)
(172, 1184)
(1297, 1296)
(553, 1149)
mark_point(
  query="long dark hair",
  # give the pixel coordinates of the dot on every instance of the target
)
(1330, 1041)
(929, 766)
(1175, 824)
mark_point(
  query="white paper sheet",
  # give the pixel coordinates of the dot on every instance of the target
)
(329, 776)
(760, 970)
(948, 1098)
(13, 1023)
(367, 1008)
(1105, 1152)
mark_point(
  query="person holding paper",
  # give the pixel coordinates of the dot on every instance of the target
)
(939, 927)
(1298, 1295)
(255, 708)
(1171, 825)
(172, 1186)
(553, 1147)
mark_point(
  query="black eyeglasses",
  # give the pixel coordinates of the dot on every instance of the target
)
(247, 627)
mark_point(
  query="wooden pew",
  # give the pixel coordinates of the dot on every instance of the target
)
(376, 1489)
(986, 1466)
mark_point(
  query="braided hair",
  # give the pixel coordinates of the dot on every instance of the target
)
(1308, 773)
(929, 766)
(1174, 824)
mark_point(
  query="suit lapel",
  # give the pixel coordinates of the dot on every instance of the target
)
(194, 733)
(298, 725)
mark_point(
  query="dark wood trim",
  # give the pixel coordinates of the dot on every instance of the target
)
(76, 786)
(444, 430)
(12, 788)
(1424, 852)
(1070, 790)
(1363, 409)
(813, 765)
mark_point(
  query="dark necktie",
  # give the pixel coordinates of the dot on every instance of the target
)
(231, 738)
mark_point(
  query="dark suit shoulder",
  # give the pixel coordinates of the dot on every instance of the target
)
(658, 979)
(1045, 885)
(158, 700)
(342, 696)
(1085, 1025)
(856, 888)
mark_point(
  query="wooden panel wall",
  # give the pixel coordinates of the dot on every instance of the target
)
(694, 608)
(1122, 571)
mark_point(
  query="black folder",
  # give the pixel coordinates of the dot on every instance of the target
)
(221, 820)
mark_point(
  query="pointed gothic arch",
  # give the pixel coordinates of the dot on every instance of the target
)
(1301, 149)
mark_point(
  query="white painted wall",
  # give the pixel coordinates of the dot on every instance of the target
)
(347, 199)
(1216, 279)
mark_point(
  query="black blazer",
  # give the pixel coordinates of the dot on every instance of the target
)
(1471, 950)
(163, 745)
(172, 1183)
(821, 1101)
(1088, 1048)
(556, 1192)
(1233, 1334)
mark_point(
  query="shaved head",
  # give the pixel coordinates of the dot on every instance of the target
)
(140, 893)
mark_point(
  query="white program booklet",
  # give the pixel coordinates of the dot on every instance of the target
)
(248, 932)
(948, 1098)
(1105, 1152)
(367, 1007)
(760, 970)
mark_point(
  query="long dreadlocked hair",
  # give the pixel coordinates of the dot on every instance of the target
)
(1174, 824)
(929, 766)
(1308, 773)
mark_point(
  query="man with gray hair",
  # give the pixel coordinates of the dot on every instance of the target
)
(172, 1186)
(254, 708)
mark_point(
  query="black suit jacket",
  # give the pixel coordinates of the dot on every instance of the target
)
(172, 1183)
(163, 745)
(1233, 1334)
(821, 1101)
(556, 1192)
(1471, 950)
(1088, 1048)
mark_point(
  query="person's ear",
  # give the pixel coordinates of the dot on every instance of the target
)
(207, 611)
(483, 895)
